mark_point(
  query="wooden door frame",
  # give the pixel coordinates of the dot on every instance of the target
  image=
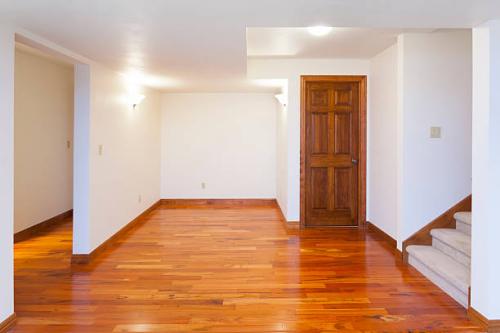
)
(362, 80)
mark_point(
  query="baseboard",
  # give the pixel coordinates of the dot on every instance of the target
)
(469, 299)
(217, 203)
(294, 225)
(445, 220)
(490, 326)
(82, 259)
(42, 226)
(8, 323)
(383, 235)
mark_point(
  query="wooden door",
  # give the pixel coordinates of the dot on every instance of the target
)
(331, 114)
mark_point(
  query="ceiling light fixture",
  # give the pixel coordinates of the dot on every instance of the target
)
(319, 30)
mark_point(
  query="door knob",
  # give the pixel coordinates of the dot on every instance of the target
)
(354, 161)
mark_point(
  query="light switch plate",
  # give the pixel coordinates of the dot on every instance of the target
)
(435, 132)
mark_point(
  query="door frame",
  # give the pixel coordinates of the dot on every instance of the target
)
(362, 81)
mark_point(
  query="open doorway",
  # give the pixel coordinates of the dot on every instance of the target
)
(43, 143)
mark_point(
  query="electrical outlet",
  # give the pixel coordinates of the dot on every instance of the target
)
(435, 132)
(203, 185)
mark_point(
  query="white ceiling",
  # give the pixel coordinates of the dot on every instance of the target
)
(361, 43)
(200, 45)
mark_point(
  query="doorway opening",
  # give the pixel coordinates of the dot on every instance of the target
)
(43, 142)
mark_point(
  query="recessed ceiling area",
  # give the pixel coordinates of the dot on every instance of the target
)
(358, 43)
(201, 46)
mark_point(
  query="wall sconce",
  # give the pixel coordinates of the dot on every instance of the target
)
(136, 100)
(282, 99)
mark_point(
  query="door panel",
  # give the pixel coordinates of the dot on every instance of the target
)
(331, 150)
(319, 124)
(343, 97)
(320, 97)
(342, 133)
(342, 186)
(319, 181)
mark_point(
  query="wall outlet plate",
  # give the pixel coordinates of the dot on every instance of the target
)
(435, 132)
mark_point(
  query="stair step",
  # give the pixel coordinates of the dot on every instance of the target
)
(453, 243)
(464, 217)
(464, 221)
(448, 274)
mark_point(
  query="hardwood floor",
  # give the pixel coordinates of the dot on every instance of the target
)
(227, 270)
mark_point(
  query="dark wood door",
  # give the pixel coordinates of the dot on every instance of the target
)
(332, 110)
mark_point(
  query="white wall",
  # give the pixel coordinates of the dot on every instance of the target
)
(127, 173)
(292, 69)
(6, 172)
(81, 160)
(423, 81)
(382, 152)
(227, 141)
(125, 179)
(281, 158)
(117, 154)
(436, 86)
(43, 125)
(485, 271)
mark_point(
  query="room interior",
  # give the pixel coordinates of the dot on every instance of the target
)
(192, 179)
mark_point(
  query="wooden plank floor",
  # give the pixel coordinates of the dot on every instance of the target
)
(227, 270)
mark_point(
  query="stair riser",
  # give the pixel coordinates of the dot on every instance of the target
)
(451, 252)
(464, 227)
(457, 294)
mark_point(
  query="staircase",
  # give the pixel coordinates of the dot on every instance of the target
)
(447, 262)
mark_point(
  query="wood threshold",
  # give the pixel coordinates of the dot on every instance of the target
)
(490, 326)
(8, 323)
(83, 259)
(42, 226)
(362, 79)
(217, 203)
(445, 220)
